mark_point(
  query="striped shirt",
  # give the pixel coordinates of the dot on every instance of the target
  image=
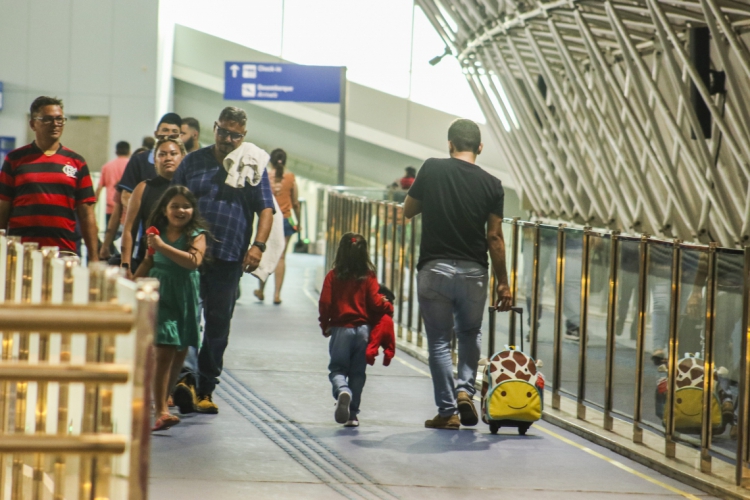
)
(229, 211)
(44, 192)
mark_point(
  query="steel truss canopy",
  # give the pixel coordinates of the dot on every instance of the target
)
(633, 115)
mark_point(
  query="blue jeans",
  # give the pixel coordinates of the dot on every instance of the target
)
(347, 367)
(219, 280)
(452, 295)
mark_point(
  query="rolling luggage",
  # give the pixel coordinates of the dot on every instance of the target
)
(512, 389)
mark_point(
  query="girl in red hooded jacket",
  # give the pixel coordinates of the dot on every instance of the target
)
(350, 297)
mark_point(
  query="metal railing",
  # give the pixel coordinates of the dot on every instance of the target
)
(628, 324)
(74, 377)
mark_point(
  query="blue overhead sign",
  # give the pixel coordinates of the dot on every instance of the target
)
(251, 81)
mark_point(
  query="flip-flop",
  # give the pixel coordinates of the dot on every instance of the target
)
(259, 295)
(165, 422)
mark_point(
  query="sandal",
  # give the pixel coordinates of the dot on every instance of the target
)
(259, 295)
(164, 422)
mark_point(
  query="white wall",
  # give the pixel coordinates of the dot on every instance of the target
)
(99, 56)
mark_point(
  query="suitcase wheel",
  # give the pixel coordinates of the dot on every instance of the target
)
(494, 427)
(522, 429)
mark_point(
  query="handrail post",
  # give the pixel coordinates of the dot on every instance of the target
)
(557, 340)
(742, 471)
(401, 268)
(534, 312)
(614, 260)
(708, 360)
(376, 243)
(394, 238)
(583, 326)
(412, 271)
(643, 264)
(670, 447)
(513, 281)
(148, 300)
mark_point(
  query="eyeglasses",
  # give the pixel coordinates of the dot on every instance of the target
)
(224, 133)
(48, 120)
(161, 137)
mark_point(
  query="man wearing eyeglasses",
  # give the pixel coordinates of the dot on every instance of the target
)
(140, 168)
(44, 186)
(230, 212)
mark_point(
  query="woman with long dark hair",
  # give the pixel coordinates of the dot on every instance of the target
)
(284, 187)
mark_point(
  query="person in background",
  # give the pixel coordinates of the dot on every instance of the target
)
(190, 132)
(169, 155)
(31, 173)
(140, 168)
(408, 179)
(148, 143)
(398, 189)
(111, 174)
(462, 217)
(284, 187)
(178, 253)
(230, 212)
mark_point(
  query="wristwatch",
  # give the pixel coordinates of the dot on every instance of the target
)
(260, 245)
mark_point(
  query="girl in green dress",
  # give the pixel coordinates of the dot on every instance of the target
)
(177, 254)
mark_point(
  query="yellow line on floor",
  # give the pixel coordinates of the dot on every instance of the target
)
(618, 464)
(306, 286)
(418, 370)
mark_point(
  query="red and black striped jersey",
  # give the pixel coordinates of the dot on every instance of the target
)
(44, 192)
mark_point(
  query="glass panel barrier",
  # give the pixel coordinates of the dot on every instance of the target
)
(688, 396)
(596, 347)
(546, 302)
(658, 290)
(524, 282)
(727, 346)
(571, 302)
(626, 329)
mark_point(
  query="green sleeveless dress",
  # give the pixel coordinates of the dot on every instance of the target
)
(178, 322)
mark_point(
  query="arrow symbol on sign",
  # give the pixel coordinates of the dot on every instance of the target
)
(234, 69)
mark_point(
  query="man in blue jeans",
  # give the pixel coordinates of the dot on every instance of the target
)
(462, 214)
(229, 211)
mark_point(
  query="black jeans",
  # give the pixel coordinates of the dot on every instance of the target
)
(219, 280)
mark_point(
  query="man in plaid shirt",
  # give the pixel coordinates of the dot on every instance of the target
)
(229, 212)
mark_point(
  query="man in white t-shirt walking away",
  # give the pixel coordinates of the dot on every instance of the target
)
(462, 215)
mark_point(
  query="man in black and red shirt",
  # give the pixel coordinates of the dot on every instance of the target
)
(44, 186)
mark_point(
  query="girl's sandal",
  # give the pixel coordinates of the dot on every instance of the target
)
(259, 295)
(165, 422)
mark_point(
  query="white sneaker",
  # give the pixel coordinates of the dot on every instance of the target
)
(353, 422)
(342, 407)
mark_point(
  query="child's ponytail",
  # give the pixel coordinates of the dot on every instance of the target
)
(352, 258)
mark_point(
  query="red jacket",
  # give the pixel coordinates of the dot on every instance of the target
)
(382, 335)
(353, 303)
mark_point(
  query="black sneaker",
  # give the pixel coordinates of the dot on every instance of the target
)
(573, 333)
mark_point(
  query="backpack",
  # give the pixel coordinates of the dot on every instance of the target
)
(511, 391)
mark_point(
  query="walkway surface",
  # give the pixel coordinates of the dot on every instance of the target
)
(275, 436)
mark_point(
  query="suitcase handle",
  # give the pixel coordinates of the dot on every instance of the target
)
(517, 310)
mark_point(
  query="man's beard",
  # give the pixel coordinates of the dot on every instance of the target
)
(190, 143)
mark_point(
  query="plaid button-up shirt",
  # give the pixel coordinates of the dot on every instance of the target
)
(229, 211)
